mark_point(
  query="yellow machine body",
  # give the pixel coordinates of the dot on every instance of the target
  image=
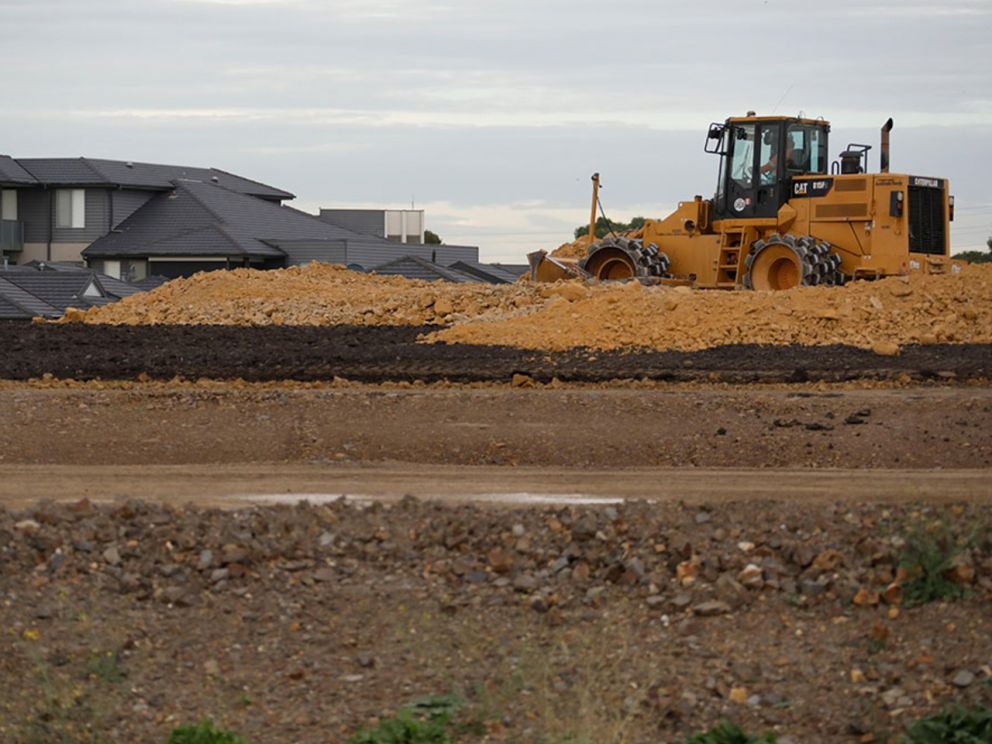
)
(782, 218)
(853, 217)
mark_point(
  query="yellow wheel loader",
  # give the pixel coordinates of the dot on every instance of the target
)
(782, 217)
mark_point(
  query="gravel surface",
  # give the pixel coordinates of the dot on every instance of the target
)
(637, 623)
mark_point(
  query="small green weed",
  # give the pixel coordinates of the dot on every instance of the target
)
(928, 555)
(876, 645)
(63, 712)
(423, 722)
(203, 733)
(105, 665)
(728, 733)
(953, 725)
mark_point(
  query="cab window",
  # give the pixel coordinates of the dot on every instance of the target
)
(768, 153)
(817, 150)
(742, 160)
(795, 149)
(805, 149)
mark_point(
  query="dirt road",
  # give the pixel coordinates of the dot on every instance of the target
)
(239, 485)
(219, 443)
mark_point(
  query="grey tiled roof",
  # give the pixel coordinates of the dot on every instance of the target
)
(8, 310)
(55, 288)
(11, 173)
(98, 172)
(414, 267)
(209, 220)
(114, 287)
(17, 298)
(150, 282)
(46, 289)
(518, 270)
(486, 272)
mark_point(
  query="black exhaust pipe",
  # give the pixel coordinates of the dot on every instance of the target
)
(886, 128)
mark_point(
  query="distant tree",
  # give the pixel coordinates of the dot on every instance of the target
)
(976, 256)
(603, 227)
(431, 238)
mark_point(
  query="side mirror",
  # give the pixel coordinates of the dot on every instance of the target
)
(714, 139)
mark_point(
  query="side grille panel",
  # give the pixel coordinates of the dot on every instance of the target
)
(926, 220)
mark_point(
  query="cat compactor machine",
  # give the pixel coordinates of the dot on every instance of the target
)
(782, 217)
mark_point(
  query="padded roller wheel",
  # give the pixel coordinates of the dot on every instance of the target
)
(787, 261)
(618, 259)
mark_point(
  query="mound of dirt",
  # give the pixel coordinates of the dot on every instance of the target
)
(317, 294)
(881, 316)
(575, 249)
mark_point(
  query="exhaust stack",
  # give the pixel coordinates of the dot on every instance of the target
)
(884, 154)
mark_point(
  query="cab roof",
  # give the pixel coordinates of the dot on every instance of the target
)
(790, 119)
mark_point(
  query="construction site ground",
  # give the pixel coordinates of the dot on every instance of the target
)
(543, 574)
(294, 502)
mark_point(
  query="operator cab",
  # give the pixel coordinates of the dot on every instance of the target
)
(759, 157)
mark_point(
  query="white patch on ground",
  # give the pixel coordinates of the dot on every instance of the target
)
(497, 498)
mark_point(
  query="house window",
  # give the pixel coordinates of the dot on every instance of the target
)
(130, 270)
(70, 208)
(8, 205)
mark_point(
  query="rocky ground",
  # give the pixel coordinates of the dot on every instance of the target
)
(635, 623)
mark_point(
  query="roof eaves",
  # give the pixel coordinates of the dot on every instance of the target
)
(222, 229)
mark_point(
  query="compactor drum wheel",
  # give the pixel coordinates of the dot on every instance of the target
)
(623, 258)
(787, 261)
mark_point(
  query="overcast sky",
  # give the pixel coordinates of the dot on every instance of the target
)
(491, 116)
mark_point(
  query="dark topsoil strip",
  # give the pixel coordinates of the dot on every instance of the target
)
(391, 353)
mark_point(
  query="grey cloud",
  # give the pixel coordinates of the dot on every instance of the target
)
(482, 103)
